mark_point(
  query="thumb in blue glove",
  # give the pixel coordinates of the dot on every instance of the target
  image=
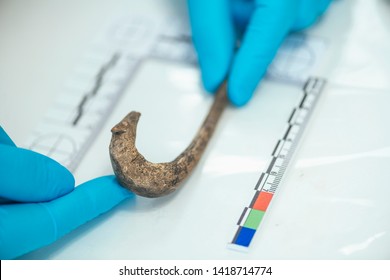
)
(264, 23)
(45, 206)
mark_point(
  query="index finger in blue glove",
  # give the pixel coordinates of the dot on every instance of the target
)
(269, 24)
(214, 39)
(27, 176)
(26, 227)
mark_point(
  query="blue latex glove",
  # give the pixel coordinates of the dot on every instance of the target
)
(43, 204)
(260, 25)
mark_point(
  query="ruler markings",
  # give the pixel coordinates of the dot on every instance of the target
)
(276, 149)
(260, 180)
(279, 162)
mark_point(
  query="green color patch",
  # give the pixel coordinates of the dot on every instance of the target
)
(254, 218)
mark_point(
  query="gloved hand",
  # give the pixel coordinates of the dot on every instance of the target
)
(42, 203)
(216, 27)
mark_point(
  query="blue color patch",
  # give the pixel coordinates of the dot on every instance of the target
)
(245, 236)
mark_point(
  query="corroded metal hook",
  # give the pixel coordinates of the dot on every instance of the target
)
(149, 179)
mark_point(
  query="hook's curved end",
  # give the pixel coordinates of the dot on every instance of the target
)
(149, 179)
(131, 168)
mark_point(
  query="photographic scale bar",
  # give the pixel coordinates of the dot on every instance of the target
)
(250, 219)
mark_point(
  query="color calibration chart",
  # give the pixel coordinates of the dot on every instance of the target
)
(252, 216)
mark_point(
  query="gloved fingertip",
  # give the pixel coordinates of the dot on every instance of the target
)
(28, 176)
(51, 179)
(108, 187)
(239, 93)
(60, 179)
(86, 202)
(212, 76)
(244, 78)
(214, 68)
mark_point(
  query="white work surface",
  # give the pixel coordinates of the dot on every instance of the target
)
(333, 203)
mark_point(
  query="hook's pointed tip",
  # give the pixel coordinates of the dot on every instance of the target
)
(128, 122)
(133, 115)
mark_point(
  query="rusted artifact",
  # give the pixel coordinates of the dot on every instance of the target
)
(149, 179)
